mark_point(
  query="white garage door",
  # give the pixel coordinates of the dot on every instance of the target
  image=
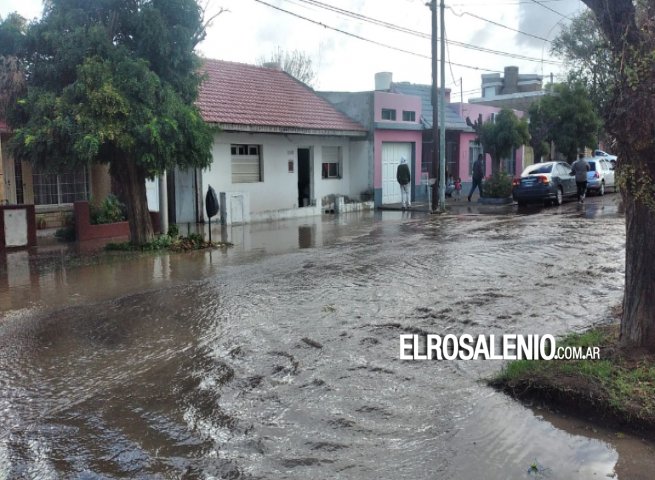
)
(391, 153)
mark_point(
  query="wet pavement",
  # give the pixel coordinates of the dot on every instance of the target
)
(278, 358)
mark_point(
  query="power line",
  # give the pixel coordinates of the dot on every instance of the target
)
(452, 75)
(497, 24)
(486, 4)
(554, 11)
(359, 37)
(409, 31)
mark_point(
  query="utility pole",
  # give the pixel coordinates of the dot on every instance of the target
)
(435, 111)
(442, 116)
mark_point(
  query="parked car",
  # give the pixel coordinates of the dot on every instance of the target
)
(605, 155)
(549, 182)
(600, 176)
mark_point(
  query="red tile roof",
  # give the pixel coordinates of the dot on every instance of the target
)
(266, 99)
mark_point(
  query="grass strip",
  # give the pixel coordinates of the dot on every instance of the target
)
(619, 386)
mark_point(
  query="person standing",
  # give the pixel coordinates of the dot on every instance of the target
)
(580, 168)
(404, 177)
(478, 175)
(458, 187)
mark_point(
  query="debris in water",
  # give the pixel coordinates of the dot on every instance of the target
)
(311, 343)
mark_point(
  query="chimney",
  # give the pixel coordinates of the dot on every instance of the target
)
(383, 81)
(273, 65)
(511, 80)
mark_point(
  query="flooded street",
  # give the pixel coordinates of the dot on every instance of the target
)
(279, 358)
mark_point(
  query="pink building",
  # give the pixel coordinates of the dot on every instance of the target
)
(397, 133)
(469, 149)
(395, 130)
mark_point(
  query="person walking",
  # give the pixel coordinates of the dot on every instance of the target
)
(580, 168)
(404, 177)
(478, 175)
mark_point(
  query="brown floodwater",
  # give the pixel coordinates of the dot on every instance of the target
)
(279, 357)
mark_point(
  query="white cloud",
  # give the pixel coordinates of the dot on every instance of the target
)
(250, 30)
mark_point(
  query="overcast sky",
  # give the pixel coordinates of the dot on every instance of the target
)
(249, 29)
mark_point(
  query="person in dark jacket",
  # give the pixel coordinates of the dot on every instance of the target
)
(478, 175)
(580, 168)
(404, 177)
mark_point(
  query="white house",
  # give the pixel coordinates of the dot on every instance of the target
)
(281, 150)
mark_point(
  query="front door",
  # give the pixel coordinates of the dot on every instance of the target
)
(304, 177)
(391, 154)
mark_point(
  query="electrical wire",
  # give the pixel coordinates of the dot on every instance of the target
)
(409, 31)
(554, 11)
(359, 37)
(497, 24)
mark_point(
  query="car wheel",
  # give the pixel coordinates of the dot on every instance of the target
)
(601, 190)
(522, 204)
(560, 197)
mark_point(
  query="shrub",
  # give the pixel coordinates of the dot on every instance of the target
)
(111, 210)
(499, 185)
(173, 231)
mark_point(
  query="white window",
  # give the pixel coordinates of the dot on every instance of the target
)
(508, 165)
(246, 163)
(409, 116)
(489, 92)
(388, 114)
(60, 189)
(331, 164)
(475, 149)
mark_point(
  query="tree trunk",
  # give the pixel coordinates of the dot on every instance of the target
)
(637, 326)
(630, 120)
(495, 164)
(132, 181)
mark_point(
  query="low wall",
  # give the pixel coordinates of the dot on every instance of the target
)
(17, 226)
(84, 231)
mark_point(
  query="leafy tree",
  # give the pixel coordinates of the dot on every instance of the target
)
(566, 117)
(296, 63)
(498, 138)
(539, 129)
(113, 81)
(586, 52)
(629, 29)
(12, 79)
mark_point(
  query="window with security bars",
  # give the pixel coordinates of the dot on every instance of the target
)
(246, 163)
(331, 164)
(60, 189)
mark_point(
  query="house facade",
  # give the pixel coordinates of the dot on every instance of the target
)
(52, 194)
(393, 122)
(280, 150)
(470, 149)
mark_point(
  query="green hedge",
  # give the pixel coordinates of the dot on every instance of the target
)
(499, 185)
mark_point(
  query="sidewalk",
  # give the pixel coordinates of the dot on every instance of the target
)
(457, 206)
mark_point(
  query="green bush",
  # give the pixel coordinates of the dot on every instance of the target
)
(499, 185)
(111, 210)
(173, 231)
